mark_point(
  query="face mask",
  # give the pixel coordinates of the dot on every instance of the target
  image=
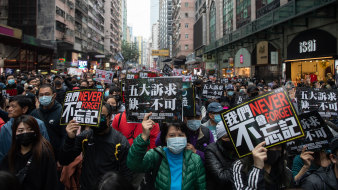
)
(78, 78)
(23, 82)
(11, 81)
(58, 83)
(273, 156)
(45, 100)
(103, 125)
(241, 90)
(227, 145)
(194, 125)
(176, 144)
(217, 118)
(25, 139)
(114, 108)
(98, 86)
(106, 93)
(230, 93)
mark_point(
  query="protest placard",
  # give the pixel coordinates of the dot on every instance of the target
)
(74, 71)
(161, 95)
(212, 90)
(270, 117)
(317, 134)
(167, 69)
(323, 100)
(10, 92)
(83, 106)
(106, 76)
(188, 102)
(224, 80)
(132, 76)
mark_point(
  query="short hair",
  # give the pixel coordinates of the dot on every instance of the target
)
(112, 180)
(47, 86)
(23, 101)
(165, 128)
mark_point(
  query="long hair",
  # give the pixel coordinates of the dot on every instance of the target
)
(40, 145)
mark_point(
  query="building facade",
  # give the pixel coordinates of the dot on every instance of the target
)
(165, 28)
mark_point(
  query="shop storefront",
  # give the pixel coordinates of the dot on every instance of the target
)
(210, 63)
(243, 63)
(226, 65)
(311, 56)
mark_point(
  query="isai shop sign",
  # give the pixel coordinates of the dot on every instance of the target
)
(308, 46)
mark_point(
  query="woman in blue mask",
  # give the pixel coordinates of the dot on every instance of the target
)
(173, 166)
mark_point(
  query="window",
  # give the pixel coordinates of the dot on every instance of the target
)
(60, 12)
(186, 25)
(60, 26)
(227, 16)
(212, 22)
(186, 15)
(186, 36)
(186, 46)
(186, 4)
(243, 12)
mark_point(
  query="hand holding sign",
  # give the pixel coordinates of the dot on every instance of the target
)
(147, 125)
(307, 157)
(71, 129)
(259, 154)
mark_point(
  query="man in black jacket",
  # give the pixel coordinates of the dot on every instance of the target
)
(324, 178)
(219, 157)
(103, 148)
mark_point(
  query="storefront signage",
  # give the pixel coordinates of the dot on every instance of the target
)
(262, 53)
(311, 44)
(83, 64)
(241, 59)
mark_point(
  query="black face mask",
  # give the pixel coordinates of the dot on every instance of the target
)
(254, 94)
(102, 127)
(227, 145)
(114, 108)
(57, 83)
(25, 139)
(273, 156)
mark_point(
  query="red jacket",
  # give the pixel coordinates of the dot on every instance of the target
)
(132, 130)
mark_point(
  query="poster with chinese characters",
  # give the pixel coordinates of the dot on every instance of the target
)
(270, 117)
(161, 95)
(167, 69)
(83, 106)
(241, 98)
(317, 134)
(188, 102)
(106, 76)
(132, 76)
(323, 100)
(224, 80)
(212, 90)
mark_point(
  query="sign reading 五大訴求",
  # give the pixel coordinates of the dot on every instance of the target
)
(161, 96)
(270, 117)
(322, 100)
(317, 134)
(83, 106)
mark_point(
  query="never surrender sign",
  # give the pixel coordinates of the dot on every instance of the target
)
(212, 91)
(161, 96)
(269, 117)
(317, 134)
(83, 106)
(322, 100)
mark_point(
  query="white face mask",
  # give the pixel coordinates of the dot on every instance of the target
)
(176, 144)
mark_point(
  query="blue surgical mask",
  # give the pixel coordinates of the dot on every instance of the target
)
(106, 93)
(230, 93)
(45, 100)
(78, 78)
(176, 144)
(217, 118)
(194, 125)
(99, 86)
(11, 81)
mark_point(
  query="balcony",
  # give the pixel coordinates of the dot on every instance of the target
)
(279, 15)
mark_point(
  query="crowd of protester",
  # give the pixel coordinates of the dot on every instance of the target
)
(38, 153)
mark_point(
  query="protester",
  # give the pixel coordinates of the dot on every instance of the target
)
(31, 156)
(214, 110)
(103, 149)
(18, 106)
(178, 167)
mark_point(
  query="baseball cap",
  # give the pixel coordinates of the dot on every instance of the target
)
(214, 107)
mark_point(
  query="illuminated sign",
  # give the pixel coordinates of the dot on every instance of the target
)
(83, 64)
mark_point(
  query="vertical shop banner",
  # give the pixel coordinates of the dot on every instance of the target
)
(83, 106)
(317, 134)
(123, 90)
(106, 76)
(212, 90)
(167, 69)
(188, 102)
(322, 100)
(262, 53)
(162, 96)
(270, 117)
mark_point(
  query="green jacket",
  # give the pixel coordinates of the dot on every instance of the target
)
(139, 160)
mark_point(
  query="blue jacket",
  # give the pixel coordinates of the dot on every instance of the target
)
(6, 136)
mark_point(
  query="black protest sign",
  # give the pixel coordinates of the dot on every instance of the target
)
(161, 95)
(188, 102)
(224, 80)
(83, 106)
(132, 76)
(317, 134)
(322, 100)
(270, 117)
(241, 98)
(212, 90)
(167, 69)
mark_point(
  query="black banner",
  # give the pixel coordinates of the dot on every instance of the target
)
(212, 90)
(167, 69)
(322, 100)
(161, 96)
(83, 106)
(241, 98)
(270, 117)
(188, 102)
(317, 134)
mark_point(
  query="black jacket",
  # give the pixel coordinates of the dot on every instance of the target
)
(321, 179)
(41, 174)
(51, 118)
(218, 162)
(60, 95)
(101, 154)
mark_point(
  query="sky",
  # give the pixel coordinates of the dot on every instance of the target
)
(139, 17)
